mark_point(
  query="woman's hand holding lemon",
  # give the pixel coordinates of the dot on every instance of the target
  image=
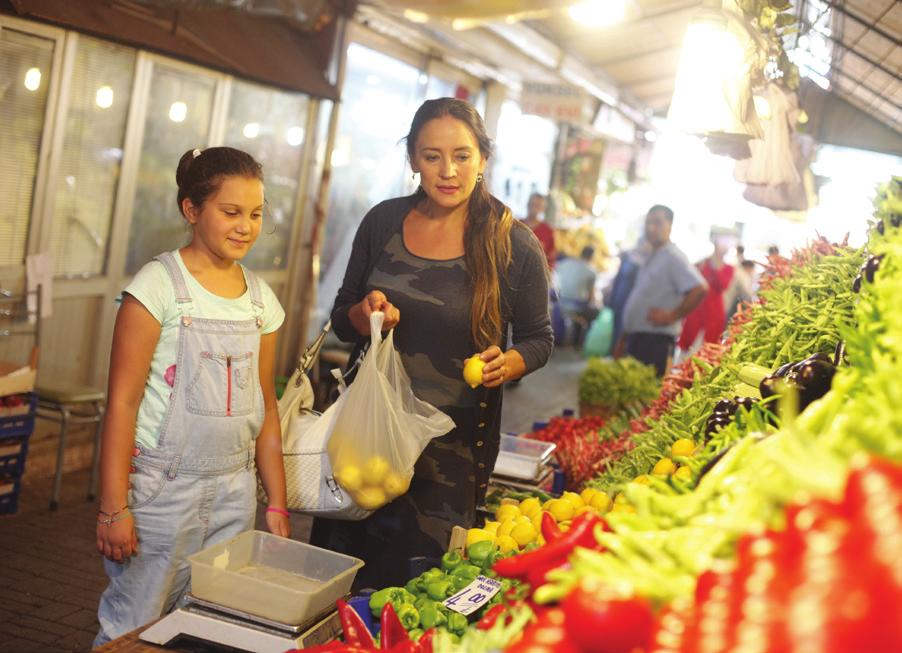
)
(493, 367)
(374, 301)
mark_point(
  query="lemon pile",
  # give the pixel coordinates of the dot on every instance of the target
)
(665, 468)
(372, 484)
(517, 525)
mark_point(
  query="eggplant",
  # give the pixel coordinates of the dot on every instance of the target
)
(880, 227)
(839, 354)
(871, 267)
(856, 284)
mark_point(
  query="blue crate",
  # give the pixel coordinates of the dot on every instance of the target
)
(13, 451)
(20, 425)
(9, 495)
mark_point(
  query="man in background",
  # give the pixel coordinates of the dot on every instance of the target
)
(535, 214)
(576, 291)
(667, 288)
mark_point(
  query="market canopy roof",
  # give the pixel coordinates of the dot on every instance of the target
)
(287, 43)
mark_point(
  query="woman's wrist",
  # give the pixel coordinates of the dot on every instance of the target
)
(278, 510)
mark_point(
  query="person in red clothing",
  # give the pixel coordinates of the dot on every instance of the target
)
(535, 211)
(709, 317)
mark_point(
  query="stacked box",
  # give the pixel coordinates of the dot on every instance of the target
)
(17, 414)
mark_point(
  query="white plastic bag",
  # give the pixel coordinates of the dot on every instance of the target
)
(382, 428)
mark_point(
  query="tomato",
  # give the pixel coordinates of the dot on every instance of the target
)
(600, 622)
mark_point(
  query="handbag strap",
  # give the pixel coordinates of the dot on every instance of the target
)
(305, 363)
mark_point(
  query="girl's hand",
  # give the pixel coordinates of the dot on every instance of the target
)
(278, 524)
(501, 367)
(117, 542)
(374, 301)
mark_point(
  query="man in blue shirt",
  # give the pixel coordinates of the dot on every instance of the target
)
(667, 288)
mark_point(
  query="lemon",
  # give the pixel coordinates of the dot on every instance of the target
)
(561, 510)
(395, 484)
(683, 474)
(473, 370)
(475, 535)
(507, 511)
(506, 544)
(664, 467)
(522, 519)
(523, 534)
(587, 495)
(370, 497)
(575, 500)
(349, 478)
(530, 506)
(375, 470)
(584, 510)
(492, 526)
(564, 526)
(623, 507)
(682, 447)
(505, 528)
(620, 498)
(536, 521)
(601, 502)
(642, 479)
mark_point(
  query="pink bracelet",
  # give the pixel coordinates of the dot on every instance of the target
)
(278, 511)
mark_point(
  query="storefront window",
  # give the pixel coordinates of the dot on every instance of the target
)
(178, 119)
(524, 153)
(369, 161)
(269, 124)
(99, 95)
(25, 63)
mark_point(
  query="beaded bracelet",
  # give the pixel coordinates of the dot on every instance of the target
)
(113, 517)
(279, 511)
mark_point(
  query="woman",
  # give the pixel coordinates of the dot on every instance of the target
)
(709, 317)
(452, 270)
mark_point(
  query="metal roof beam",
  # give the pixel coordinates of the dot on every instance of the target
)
(837, 42)
(861, 21)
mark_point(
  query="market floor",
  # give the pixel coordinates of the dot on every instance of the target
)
(51, 576)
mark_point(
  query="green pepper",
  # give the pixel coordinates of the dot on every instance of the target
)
(459, 582)
(383, 596)
(490, 561)
(412, 587)
(432, 616)
(416, 633)
(457, 623)
(451, 560)
(466, 571)
(438, 590)
(409, 616)
(479, 551)
(427, 577)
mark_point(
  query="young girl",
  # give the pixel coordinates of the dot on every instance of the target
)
(192, 405)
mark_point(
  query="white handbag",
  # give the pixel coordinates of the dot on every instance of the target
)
(310, 487)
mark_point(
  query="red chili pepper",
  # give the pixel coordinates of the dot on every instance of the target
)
(355, 631)
(599, 622)
(425, 641)
(552, 554)
(490, 618)
(550, 530)
(392, 633)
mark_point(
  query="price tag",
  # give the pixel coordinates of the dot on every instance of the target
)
(473, 596)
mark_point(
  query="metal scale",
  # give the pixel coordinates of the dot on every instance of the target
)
(240, 630)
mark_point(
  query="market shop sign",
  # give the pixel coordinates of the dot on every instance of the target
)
(558, 102)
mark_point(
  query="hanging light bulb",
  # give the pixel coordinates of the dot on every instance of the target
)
(104, 97)
(178, 111)
(251, 130)
(712, 94)
(33, 79)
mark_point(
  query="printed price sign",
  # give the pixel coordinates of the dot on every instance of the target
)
(473, 596)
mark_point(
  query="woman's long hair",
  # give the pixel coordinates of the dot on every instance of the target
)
(487, 242)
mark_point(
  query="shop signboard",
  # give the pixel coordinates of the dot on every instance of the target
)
(559, 102)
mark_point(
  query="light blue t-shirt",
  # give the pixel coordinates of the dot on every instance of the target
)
(153, 288)
(575, 280)
(662, 282)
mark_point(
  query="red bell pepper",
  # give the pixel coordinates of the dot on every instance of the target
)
(548, 634)
(601, 622)
(355, 631)
(490, 618)
(425, 641)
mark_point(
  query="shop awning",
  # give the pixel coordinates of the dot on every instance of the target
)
(267, 48)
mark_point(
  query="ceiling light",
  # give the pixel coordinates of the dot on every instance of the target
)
(598, 13)
(251, 130)
(416, 16)
(33, 79)
(294, 136)
(104, 97)
(651, 136)
(178, 111)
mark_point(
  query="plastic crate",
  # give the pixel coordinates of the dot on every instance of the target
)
(9, 494)
(19, 424)
(13, 451)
